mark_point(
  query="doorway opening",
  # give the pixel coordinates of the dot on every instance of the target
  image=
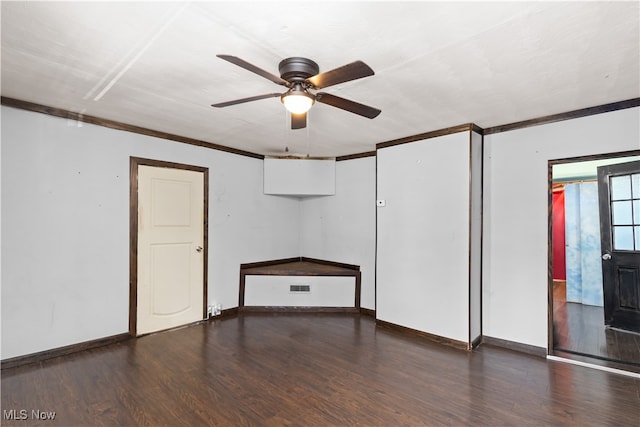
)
(578, 254)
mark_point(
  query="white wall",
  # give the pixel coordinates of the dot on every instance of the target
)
(274, 291)
(423, 235)
(300, 177)
(65, 223)
(515, 214)
(65, 227)
(343, 227)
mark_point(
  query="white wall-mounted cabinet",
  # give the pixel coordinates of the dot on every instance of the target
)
(429, 236)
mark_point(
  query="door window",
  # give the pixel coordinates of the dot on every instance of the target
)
(625, 212)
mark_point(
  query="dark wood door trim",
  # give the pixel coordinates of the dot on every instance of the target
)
(134, 163)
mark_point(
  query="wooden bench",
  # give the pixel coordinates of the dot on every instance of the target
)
(319, 285)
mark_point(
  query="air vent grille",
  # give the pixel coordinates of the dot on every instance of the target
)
(299, 288)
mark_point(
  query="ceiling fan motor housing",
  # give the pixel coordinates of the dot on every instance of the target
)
(297, 69)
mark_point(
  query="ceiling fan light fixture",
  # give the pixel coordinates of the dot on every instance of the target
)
(302, 78)
(297, 100)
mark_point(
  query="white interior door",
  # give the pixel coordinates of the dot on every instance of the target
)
(170, 290)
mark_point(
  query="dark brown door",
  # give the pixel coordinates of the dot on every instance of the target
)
(619, 197)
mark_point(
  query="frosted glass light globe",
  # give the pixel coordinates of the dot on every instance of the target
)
(297, 104)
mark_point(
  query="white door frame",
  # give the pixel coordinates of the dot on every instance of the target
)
(135, 162)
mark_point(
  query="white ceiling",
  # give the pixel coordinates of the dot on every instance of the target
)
(437, 64)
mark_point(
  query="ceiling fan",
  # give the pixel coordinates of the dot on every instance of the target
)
(303, 78)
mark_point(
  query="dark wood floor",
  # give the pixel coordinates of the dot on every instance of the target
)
(580, 329)
(277, 369)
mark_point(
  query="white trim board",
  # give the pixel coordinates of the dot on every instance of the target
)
(590, 365)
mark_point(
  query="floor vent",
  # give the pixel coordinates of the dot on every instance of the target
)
(299, 288)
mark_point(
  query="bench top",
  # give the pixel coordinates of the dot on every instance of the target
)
(300, 268)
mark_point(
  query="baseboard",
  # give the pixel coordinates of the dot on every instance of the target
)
(475, 343)
(87, 345)
(274, 309)
(229, 312)
(368, 312)
(267, 309)
(515, 346)
(431, 337)
(590, 360)
(62, 351)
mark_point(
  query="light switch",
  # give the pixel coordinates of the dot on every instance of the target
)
(381, 203)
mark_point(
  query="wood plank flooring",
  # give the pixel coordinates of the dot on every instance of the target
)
(303, 369)
(580, 329)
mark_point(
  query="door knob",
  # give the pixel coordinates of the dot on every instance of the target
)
(606, 257)
(199, 249)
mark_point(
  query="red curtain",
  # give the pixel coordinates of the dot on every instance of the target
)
(559, 264)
